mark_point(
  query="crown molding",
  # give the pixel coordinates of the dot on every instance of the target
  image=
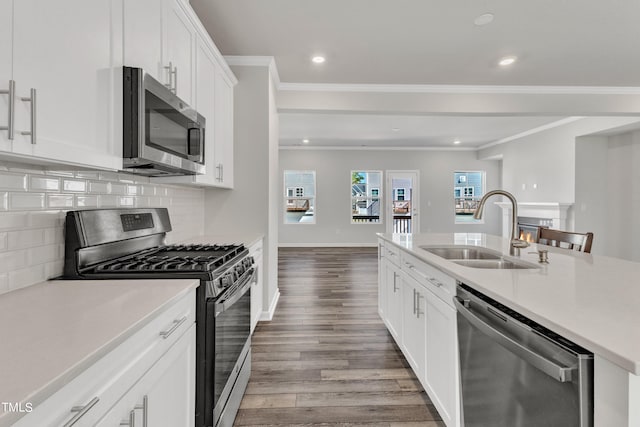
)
(461, 89)
(256, 61)
(535, 130)
(368, 148)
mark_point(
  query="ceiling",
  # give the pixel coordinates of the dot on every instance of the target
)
(324, 130)
(429, 42)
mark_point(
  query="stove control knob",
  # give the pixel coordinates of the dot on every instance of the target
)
(240, 269)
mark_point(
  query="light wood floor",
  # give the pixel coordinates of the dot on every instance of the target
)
(326, 358)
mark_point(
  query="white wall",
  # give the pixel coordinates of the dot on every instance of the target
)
(34, 202)
(333, 204)
(245, 209)
(547, 159)
(608, 193)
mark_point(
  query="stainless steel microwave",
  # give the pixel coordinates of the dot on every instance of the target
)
(163, 135)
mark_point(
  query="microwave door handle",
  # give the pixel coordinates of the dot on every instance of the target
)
(194, 149)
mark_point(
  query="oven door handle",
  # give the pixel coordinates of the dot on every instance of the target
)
(221, 307)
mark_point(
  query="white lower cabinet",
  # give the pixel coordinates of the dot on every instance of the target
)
(165, 394)
(418, 311)
(393, 317)
(158, 362)
(414, 325)
(441, 373)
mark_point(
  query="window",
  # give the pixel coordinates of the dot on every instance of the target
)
(400, 194)
(366, 202)
(299, 197)
(468, 188)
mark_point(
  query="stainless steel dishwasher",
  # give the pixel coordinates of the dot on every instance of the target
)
(516, 373)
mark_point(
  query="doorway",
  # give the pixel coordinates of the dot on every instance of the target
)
(403, 201)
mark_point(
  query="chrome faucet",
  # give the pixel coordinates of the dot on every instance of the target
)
(514, 244)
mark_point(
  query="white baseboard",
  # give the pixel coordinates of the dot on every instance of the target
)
(327, 245)
(268, 315)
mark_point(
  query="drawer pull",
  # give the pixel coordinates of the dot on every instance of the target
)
(11, 92)
(172, 329)
(435, 282)
(131, 422)
(144, 407)
(81, 410)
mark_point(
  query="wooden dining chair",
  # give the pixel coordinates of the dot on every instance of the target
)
(565, 239)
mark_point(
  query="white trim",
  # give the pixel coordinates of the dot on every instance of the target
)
(538, 129)
(327, 245)
(340, 148)
(489, 89)
(268, 315)
(556, 211)
(257, 61)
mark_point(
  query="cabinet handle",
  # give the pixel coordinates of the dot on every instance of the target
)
(395, 288)
(418, 312)
(172, 329)
(414, 301)
(144, 407)
(175, 80)
(131, 422)
(435, 282)
(32, 100)
(169, 69)
(12, 105)
(219, 173)
(81, 410)
(431, 280)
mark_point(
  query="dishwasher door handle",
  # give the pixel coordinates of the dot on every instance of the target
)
(558, 372)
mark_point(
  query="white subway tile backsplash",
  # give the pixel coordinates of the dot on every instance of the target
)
(46, 219)
(98, 187)
(33, 205)
(27, 276)
(87, 174)
(126, 202)
(25, 238)
(14, 260)
(44, 254)
(53, 236)
(4, 283)
(74, 185)
(108, 176)
(13, 181)
(107, 201)
(44, 183)
(60, 201)
(120, 189)
(86, 202)
(26, 201)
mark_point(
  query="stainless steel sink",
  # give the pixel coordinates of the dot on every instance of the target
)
(476, 257)
(495, 264)
(462, 252)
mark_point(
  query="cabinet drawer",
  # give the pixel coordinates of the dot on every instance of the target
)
(100, 386)
(390, 252)
(433, 279)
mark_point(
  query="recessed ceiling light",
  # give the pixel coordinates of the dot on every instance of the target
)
(318, 59)
(507, 60)
(457, 141)
(395, 129)
(484, 19)
(305, 141)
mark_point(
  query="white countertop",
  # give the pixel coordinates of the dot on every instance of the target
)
(591, 300)
(51, 332)
(248, 239)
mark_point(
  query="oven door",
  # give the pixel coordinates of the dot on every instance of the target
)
(232, 312)
(161, 132)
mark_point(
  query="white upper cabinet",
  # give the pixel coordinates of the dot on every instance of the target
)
(179, 41)
(143, 37)
(66, 66)
(5, 72)
(202, 79)
(223, 128)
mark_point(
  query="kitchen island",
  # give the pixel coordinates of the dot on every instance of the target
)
(591, 300)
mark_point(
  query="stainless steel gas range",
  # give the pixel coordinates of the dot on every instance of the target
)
(130, 244)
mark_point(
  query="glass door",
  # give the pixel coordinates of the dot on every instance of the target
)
(403, 204)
